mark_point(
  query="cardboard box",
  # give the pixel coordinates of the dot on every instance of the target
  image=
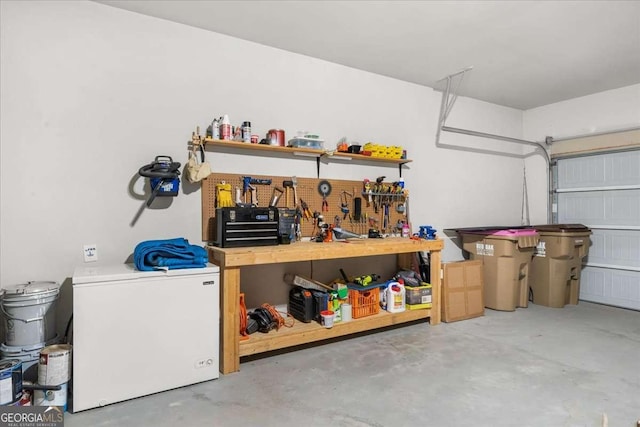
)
(462, 290)
(417, 297)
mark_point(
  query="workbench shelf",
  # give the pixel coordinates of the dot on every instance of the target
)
(318, 155)
(302, 333)
(232, 260)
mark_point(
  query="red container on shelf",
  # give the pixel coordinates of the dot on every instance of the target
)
(276, 137)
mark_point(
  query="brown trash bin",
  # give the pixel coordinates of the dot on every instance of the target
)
(506, 256)
(557, 264)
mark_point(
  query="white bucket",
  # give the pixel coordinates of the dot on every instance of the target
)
(29, 312)
(54, 365)
(51, 397)
(29, 355)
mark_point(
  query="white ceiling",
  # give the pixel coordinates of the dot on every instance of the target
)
(524, 53)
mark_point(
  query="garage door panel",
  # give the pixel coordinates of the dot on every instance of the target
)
(584, 208)
(614, 207)
(615, 287)
(624, 169)
(602, 191)
(616, 247)
(605, 170)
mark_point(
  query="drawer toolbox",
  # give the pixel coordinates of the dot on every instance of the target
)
(240, 227)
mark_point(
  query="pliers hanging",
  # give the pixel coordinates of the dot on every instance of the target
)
(306, 213)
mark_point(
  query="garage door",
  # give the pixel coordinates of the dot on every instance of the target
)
(602, 191)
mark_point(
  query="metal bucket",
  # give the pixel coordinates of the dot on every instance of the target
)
(29, 312)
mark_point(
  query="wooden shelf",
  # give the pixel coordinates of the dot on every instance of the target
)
(302, 152)
(232, 260)
(312, 251)
(361, 158)
(302, 333)
(306, 152)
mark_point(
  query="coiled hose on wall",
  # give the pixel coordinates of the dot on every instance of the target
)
(164, 174)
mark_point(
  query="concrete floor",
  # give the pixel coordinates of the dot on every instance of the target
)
(533, 367)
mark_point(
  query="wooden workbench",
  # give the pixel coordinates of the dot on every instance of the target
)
(232, 260)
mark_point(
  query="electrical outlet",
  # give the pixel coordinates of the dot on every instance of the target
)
(90, 253)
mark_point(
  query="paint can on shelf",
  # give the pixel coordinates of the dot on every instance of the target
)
(10, 381)
(29, 312)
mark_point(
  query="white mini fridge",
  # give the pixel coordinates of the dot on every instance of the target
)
(137, 333)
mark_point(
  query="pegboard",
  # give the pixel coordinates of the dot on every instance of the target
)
(307, 188)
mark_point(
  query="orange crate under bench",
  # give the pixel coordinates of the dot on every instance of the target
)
(365, 302)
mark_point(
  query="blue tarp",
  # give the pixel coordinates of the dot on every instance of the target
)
(170, 253)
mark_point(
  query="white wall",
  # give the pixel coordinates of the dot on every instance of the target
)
(90, 93)
(601, 112)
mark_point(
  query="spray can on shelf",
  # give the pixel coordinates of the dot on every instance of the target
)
(215, 129)
(225, 128)
(246, 131)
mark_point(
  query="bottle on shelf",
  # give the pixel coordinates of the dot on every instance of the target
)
(225, 128)
(246, 131)
(215, 129)
(406, 231)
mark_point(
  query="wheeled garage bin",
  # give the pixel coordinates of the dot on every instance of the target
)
(506, 256)
(556, 266)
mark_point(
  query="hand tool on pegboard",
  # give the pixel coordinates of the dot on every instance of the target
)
(306, 213)
(366, 184)
(275, 196)
(294, 184)
(324, 188)
(247, 185)
(344, 203)
(287, 184)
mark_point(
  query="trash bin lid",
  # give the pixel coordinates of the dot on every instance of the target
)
(499, 231)
(562, 228)
(515, 232)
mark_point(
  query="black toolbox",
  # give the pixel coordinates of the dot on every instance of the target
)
(240, 227)
(301, 304)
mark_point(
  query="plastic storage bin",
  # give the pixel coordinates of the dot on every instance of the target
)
(506, 257)
(302, 142)
(557, 264)
(364, 302)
